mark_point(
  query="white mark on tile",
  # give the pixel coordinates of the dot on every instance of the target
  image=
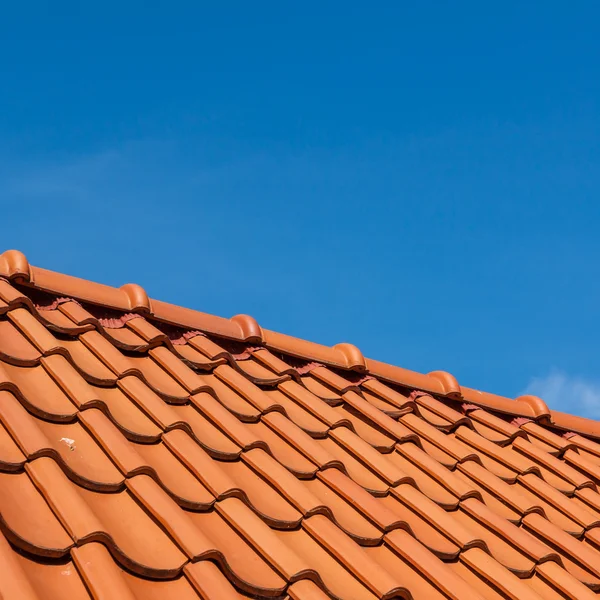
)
(69, 442)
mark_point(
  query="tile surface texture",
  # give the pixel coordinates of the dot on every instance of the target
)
(141, 458)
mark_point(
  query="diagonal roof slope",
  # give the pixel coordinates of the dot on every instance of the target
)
(151, 451)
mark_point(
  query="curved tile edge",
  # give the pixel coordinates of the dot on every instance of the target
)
(249, 328)
(15, 266)
(539, 407)
(137, 297)
(449, 383)
(355, 361)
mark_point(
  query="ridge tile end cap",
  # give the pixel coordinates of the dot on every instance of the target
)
(138, 299)
(539, 407)
(353, 357)
(15, 266)
(449, 383)
(249, 328)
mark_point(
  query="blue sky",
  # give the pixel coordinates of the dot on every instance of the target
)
(422, 181)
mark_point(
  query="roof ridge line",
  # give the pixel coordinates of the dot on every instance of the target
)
(131, 297)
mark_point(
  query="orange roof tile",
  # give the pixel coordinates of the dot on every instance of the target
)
(152, 451)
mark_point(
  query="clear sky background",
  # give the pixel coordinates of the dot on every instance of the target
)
(420, 179)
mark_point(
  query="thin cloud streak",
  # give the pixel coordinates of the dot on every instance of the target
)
(572, 394)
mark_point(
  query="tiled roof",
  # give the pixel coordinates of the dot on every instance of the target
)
(149, 451)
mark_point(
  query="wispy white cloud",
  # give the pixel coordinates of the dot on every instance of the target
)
(89, 214)
(572, 394)
(67, 179)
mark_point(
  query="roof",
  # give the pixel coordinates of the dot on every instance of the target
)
(151, 451)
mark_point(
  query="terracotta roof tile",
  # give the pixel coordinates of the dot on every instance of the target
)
(234, 402)
(430, 535)
(150, 451)
(15, 348)
(27, 520)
